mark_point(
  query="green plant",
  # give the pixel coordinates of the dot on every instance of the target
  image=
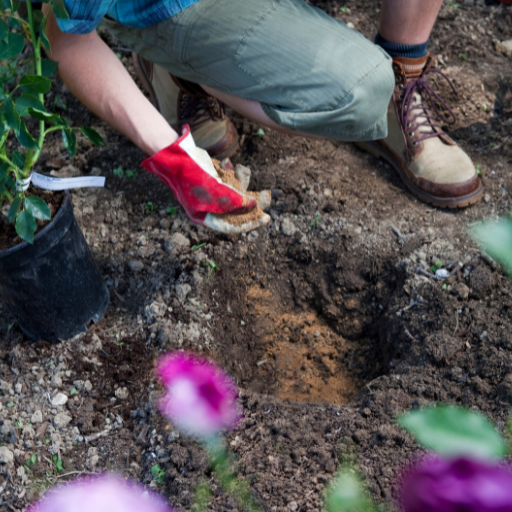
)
(317, 219)
(58, 465)
(211, 265)
(149, 208)
(24, 81)
(128, 173)
(158, 473)
(171, 211)
(31, 462)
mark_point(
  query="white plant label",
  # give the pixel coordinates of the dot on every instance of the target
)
(50, 183)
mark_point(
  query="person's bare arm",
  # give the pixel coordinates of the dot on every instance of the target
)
(96, 77)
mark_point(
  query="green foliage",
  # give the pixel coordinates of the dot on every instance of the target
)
(129, 173)
(496, 237)
(158, 473)
(221, 466)
(345, 494)
(203, 495)
(25, 78)
(454, 431)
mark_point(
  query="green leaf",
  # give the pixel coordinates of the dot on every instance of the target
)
(44, 39)
(13, 23)
(12, 47)
(48, 67)
(454, 431)
(59, 9)
(35, 84)
(4, 31)
(14, 209)
(37, 16)
(25, 138)
(14, 6)
(46, 116)
(69, 139)
(496, 237)
(26, 226)
(345, 494)
(38, 208)
(26, 101)
(18, 159)
(92, 135)
(11, 116)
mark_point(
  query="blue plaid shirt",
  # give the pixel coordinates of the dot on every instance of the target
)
(85, 16)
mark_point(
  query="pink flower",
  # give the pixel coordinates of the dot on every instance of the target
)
(439, 485)
(200, 399)
(106, 493)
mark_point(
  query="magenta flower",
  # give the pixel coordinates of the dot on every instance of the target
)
(199, 398)
(106, 493)
(457, 485)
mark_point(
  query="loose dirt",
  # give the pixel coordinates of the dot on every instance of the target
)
(322, 317)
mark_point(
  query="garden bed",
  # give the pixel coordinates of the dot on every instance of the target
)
(322, 318)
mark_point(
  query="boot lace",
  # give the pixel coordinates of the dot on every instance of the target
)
(427, 109)
(197, 109)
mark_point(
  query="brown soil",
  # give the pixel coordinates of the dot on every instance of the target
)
(8, 236)
(321, 317)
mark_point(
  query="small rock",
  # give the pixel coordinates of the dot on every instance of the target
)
(17, 388)
(165, 223)
(176, 242)
(460, 290)
(59, 399)
(288, 227)
(61, 420)
(173, 436)
(442, 273)
(122, 393)
(93, 461)
(57, 379)
(293, 506)
(154, 310)
(37, 417)
(505, 47)
(487, 198)
(136, 265)
(6, 456)
(182, 290)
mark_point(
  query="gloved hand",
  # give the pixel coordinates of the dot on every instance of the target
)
(218, 202)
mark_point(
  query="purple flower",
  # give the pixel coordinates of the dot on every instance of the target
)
(200, 399)
(106, 493)
(457, 485)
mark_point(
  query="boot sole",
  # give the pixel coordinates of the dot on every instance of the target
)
(443, 202)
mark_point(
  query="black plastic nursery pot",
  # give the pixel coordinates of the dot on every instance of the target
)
(53, 288)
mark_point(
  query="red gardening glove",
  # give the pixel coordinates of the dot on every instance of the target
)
(207, 200)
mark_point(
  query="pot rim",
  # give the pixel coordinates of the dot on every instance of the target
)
(9, 252)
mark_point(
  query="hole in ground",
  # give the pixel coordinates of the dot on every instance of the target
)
(307, 333)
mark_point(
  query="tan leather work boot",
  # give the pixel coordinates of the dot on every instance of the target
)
(431, 164)
(182, 102)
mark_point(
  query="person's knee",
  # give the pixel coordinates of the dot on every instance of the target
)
(365, 112)
(360, 113)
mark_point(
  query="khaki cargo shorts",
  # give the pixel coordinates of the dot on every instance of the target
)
(310, 72)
